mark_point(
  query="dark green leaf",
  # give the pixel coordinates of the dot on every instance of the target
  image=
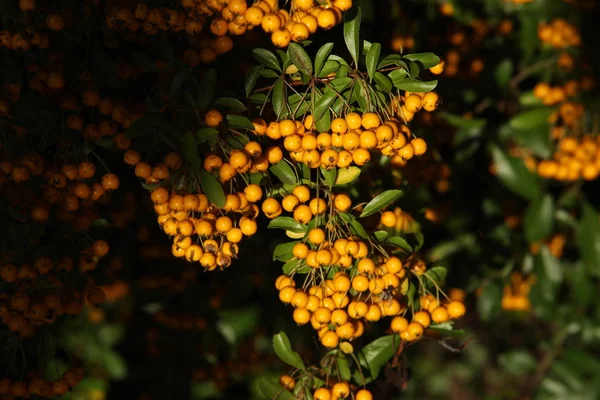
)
(589, 239)
(323, 124)
(380, 201)
(270, 387)
(488, 304)
(329, 68)
(284, 351)
(266, 57)
(300, 58)
(373, 59)
(437, 275)
(398, 75)
(190, 151)
(392, 59)
(552, 266)
(269, 73)
(177, 83)
(212, 189)
(426, 60)
(206, 133)
(279, 98)
(377, 353)
(329, 176)
(381, 235)
(251, 78)
(583, 288)
(352, 33)
(539, 218)
(111, 334)
(324, 103)
(206, 91)
(414, 70)
(114, 364)
(342, 83)
(383, 82)
(503, 72)
(513, 173)
(413, 85)
(287, 223)
(401, 243)
(321, 57)
(517, 362)
(230, 103)
(531, 119)
(283, 251)
(284, 172)
(239, 121)
(343, 367)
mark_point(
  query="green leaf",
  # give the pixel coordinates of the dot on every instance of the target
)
(321, 57)
(176, 84)
(284, 351)
(287, 223)
(398, 75)
(111, 334)
(279, 97)
(300, 58)
(513, 173)
(427, 60)
(352, 33)
(518, 362)
(284, 172)
(381, 235)
(413, 85)
(401, 243)
(114, 364)
(236, 324)
(342, 83)
(347, 175)
(437, 275)
(206, 91)
(324, 103)
(582, 286)
(323, 124)
(252, 77)
(589, 239)
(373, 59)
(343, 367)
(270, 387)
(202, 135)
(231, 103)
(329, 175)
(212, 188)
(356, 227)
(539, 218)
(552, 266)
(267, 58)
(380, 201)
(488, 304)
(239, 121)
(377, 353)
(190, 151)
(531, 119)
(392, 59)
(329, 68)
(283, 251)
(383, 82)
(503, 72)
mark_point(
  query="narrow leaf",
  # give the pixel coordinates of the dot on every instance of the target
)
(373, 59)
(212, 188)
(352, 33)
(380, 201)
(321, 57)
(283, 349)
(300, 58)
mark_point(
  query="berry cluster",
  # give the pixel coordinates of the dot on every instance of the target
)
(559, 34)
